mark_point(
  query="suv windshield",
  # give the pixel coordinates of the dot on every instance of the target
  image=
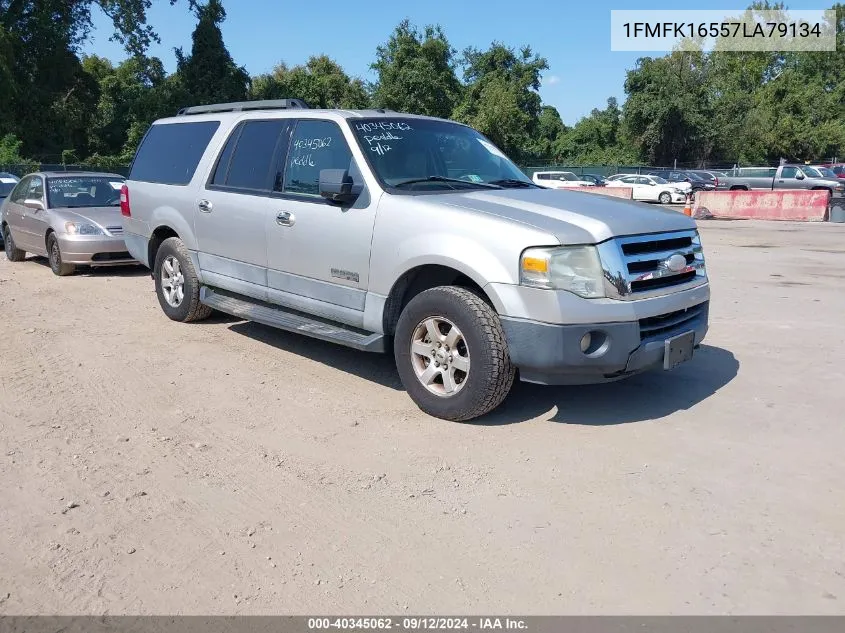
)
(75, 192)
(430, 155)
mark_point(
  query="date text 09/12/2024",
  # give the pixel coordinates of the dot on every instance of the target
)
(417, 623)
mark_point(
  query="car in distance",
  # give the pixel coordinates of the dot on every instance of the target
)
(598, 181)
(393, 232)
(71, 218)
(7, 183)
(837, 168)
(560, 179)
(785, 176)
(650, 188)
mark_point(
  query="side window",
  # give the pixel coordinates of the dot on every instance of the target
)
(36, 189)
(838, 170)
(789, 172)
(221, 170)
(20, 190)
(544, 177)
(252, 157)
(170, 152)
(315, 145)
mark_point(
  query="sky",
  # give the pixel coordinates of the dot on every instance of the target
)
(573, 36)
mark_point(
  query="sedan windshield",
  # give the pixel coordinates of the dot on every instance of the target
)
(428, 155)
(74, 192)
(659, 180)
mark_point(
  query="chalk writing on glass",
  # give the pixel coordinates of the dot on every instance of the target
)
(383, 126)
(386, 136)
(313, 143)
(303, 160)
(380, 149)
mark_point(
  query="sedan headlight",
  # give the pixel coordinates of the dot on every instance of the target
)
(82, 228)
(576, 269)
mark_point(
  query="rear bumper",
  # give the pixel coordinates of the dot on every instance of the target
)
(551, 354)
(94, 250)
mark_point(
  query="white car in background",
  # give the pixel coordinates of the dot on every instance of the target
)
(651, 188)
(559, 180)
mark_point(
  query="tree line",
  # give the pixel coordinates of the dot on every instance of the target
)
(57, 105)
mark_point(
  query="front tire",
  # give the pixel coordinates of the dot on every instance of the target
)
(13, 253)
(177, 284)
(664, 198)
(54, 255)
(451, 354)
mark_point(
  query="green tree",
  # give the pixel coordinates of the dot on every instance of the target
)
(501, 97)
(597, 139)
(209, 74)
(321, 82)
(416, 72)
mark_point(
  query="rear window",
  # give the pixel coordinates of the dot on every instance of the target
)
(170, 153)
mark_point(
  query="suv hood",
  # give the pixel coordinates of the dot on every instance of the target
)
(573, 217)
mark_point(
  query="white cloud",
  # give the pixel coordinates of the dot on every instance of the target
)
(552, 80)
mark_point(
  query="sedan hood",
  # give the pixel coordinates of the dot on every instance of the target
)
(101, 216)
(573, 217)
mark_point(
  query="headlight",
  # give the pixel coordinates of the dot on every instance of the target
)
(576, 269)
(82, 228)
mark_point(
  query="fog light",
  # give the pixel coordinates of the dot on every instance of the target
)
(595, 343)
(585, 342)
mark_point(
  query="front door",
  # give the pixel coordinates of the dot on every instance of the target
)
(32, 223)
(232, 212)
(318, 252)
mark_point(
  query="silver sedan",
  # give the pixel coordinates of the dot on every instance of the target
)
(71, 218)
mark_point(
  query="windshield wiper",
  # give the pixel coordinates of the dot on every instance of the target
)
(413, 181)
(512, 182)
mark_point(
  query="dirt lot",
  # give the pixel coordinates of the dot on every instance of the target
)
(223, 467)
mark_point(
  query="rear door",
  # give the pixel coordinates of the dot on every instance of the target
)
(13, 210)
(235, 208)
(318, 252)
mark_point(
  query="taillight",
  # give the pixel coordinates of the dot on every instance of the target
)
(124, 202)
(716, 179)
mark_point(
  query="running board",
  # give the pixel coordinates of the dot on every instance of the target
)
(277, 317)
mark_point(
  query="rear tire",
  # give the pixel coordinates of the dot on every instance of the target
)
(13, 253)
(451, 354)
(54, 255)
(177, 284)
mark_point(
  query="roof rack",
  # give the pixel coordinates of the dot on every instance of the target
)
(242, 106)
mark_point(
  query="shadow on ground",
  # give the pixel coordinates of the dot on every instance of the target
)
(129, 270)
(647, 396)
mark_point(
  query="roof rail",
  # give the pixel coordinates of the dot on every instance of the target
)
(242, 106)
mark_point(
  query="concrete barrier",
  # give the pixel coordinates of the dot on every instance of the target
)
(802, 205)
(614, 192)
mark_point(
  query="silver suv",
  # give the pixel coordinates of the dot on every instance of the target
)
(381, 231)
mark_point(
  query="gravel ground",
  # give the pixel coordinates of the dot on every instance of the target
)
(150, 467)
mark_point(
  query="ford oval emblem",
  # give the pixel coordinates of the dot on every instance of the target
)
(676, 263)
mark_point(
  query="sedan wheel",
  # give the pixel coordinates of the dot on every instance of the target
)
(665, 198)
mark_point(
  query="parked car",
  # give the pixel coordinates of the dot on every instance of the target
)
(560, 179)
(71, 218)
(836, 168)
(387, 231)
(650, 188)
(7, 183)
(598, 181)
(819, 171)
(680, 179)
(708, 176)
(783, 177)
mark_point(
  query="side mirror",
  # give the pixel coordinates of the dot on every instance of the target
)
(336, 185)
(32, 203)
(799, 176)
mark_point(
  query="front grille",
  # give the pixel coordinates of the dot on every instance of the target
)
(108, 257)
(640, 266)
(115, 230)
(665, 324)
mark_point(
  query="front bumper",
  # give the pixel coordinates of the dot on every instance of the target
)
(550, 354)
(94, 250)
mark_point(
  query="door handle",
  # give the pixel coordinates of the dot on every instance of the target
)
(285, 218)
(204, 206)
